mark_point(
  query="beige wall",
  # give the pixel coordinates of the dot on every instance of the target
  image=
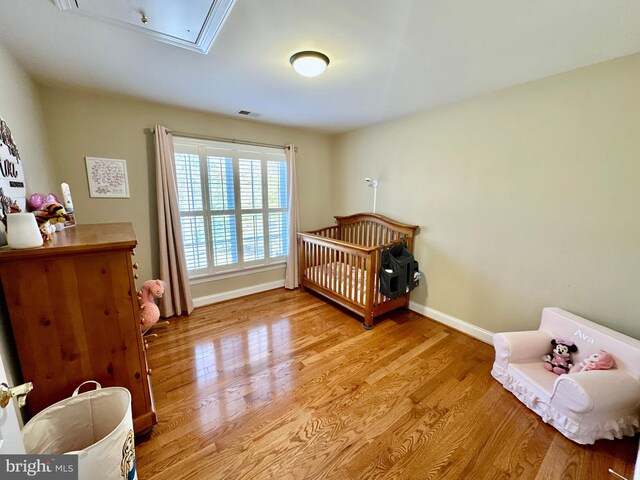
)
(20, 108)
(84, 124)
(526, 197)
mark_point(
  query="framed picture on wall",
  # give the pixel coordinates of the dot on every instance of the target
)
(107, 177)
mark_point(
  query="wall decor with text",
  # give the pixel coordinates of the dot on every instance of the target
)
(107, 177)
(12, 188)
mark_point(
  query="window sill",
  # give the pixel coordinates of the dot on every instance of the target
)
(235, 273)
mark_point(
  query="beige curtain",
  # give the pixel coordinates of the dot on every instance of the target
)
(173, 266)
(291, 274)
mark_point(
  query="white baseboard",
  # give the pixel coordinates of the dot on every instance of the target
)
(240, 292)
(453, 322)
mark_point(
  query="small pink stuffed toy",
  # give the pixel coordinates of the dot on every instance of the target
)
(596, 361)
(559, 360)
(149, 311)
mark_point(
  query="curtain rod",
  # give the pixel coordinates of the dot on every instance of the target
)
(220, 139)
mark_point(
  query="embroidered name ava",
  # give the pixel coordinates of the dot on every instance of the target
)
(584, 336)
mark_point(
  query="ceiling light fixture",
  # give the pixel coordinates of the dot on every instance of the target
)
(309, 63)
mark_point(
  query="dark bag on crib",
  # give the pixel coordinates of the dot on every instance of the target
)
(397, 271)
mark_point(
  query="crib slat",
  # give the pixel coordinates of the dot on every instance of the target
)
(343, 278)
(332, 285)
(321, 262)
(354, 281)
(337, 272)
(315, 262)
(356, 266)
(376, 276)
(349, 283)
(310, 257)
(320, 266)
(356, 284)
(307, 260)
(346, 275)
(356, 269)
(361, 282)
(325, 273)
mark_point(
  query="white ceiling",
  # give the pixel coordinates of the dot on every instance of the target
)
(388, 57)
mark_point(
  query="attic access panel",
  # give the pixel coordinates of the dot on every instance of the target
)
(191, 24)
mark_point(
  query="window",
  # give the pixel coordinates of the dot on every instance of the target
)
(233, 205)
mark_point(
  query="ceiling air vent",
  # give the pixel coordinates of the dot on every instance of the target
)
(247, 113)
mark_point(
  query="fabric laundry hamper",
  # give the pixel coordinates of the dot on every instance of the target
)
(96, 425)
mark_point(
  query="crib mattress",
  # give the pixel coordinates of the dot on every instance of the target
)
(344, 275)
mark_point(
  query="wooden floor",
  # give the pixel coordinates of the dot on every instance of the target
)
(285, 385)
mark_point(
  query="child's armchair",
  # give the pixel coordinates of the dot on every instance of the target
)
(583, 406)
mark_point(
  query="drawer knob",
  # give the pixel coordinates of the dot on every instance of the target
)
(136, 265)
(149, 371)
(136, 276)
(133, 252)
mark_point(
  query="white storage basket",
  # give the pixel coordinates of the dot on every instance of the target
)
(96, 425)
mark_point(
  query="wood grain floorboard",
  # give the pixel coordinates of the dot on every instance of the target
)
(283, 385)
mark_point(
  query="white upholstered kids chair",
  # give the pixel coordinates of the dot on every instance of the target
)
(583, 406)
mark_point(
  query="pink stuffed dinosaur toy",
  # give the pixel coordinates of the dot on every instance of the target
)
(149, 311)
(596, 361)
(559, 360)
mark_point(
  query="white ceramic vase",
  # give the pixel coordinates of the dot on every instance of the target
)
(23, 231)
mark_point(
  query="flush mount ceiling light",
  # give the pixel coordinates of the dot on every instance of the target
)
(309, 63)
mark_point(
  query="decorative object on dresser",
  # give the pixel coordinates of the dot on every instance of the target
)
(22, 231)
(75, 316)
(342, 262)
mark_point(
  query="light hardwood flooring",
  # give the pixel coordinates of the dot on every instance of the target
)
(285, 385)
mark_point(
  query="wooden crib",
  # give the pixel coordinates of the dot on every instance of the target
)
(342, 262)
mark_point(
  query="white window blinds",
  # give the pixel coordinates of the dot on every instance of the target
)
(233, 205)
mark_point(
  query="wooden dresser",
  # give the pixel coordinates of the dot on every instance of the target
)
(75, 317)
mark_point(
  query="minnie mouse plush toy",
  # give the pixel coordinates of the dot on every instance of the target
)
(559, 360)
